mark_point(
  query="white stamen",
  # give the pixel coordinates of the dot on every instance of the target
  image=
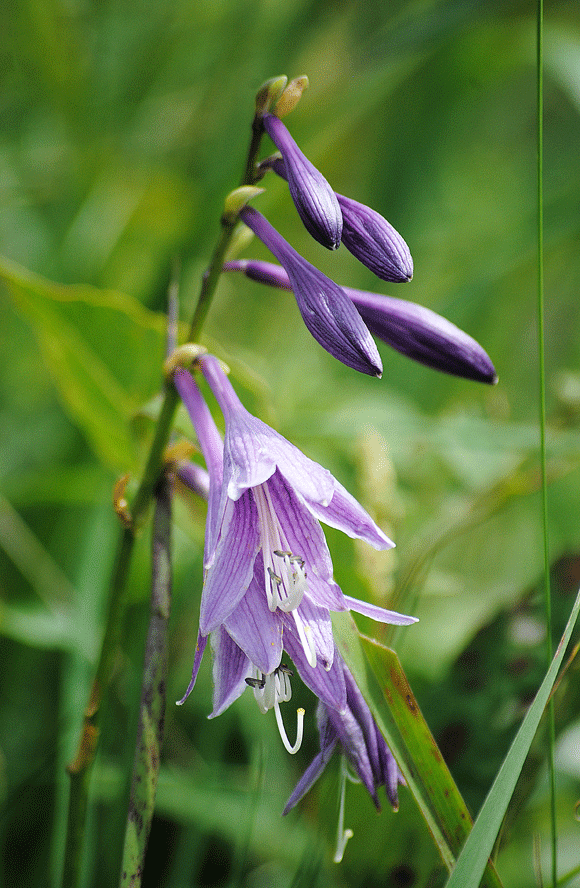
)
(271, 690)
(299, 729)
(343, 835)
(284, 573)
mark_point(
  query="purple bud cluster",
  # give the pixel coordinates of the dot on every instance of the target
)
(339, 318)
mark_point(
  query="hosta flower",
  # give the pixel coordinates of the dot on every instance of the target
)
(313, 197)
(411, 329)
(366, 234)
(326, 310)
(268, 572)
(356, 733)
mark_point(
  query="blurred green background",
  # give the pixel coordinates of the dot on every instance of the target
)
(122, 127)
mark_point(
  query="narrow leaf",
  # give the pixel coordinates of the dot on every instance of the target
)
(470, 863)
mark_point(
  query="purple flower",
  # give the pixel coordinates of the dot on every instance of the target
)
(366, 234)
(325, 308)
(363, 747)
(268, 572)
(357, 734)
(313, 197)
(411, 329)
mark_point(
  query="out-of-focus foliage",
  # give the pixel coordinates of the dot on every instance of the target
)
(122, 127)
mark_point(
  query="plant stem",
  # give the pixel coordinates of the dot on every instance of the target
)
(542, 388)
(80, 769)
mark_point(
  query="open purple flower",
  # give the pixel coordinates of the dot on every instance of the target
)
(313, 197)
(366, 234)
(357, 734)
(411, 329)
(268, 571)
(326, 310)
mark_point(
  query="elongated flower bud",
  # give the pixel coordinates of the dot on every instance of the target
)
(423, 335)
(366, 234)
(325, 308)
(312, 195)
(411, 329)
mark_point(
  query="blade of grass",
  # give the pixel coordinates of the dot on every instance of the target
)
(542, 405)
(470, 864)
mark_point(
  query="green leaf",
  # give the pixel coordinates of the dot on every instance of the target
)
(470, 863)
(103, 350)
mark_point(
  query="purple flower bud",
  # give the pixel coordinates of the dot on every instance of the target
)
(366, 234)
(325, 308)
(313, 197)
(423, 335)
(374, 241)
(411, 329)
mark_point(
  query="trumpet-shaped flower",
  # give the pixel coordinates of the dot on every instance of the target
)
(313, 197)
(325, 308)
(268, 571)
(411, 329)
(355, 731)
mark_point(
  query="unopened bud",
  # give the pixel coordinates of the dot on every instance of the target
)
(237, 200)
(291, 96)
(269, 93)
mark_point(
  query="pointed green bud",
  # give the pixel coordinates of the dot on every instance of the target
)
(269, 93)
(237, 200)
(291, 96)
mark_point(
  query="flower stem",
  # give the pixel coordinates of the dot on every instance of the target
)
(153, 696)
(80, 769)
(542, 388)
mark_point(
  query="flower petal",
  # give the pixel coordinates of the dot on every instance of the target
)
(233, 566)
(255, 628)
(347, 515)
(230, 669)
(310, 776)
(199, 649)
(328, 685)
(380, 614)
